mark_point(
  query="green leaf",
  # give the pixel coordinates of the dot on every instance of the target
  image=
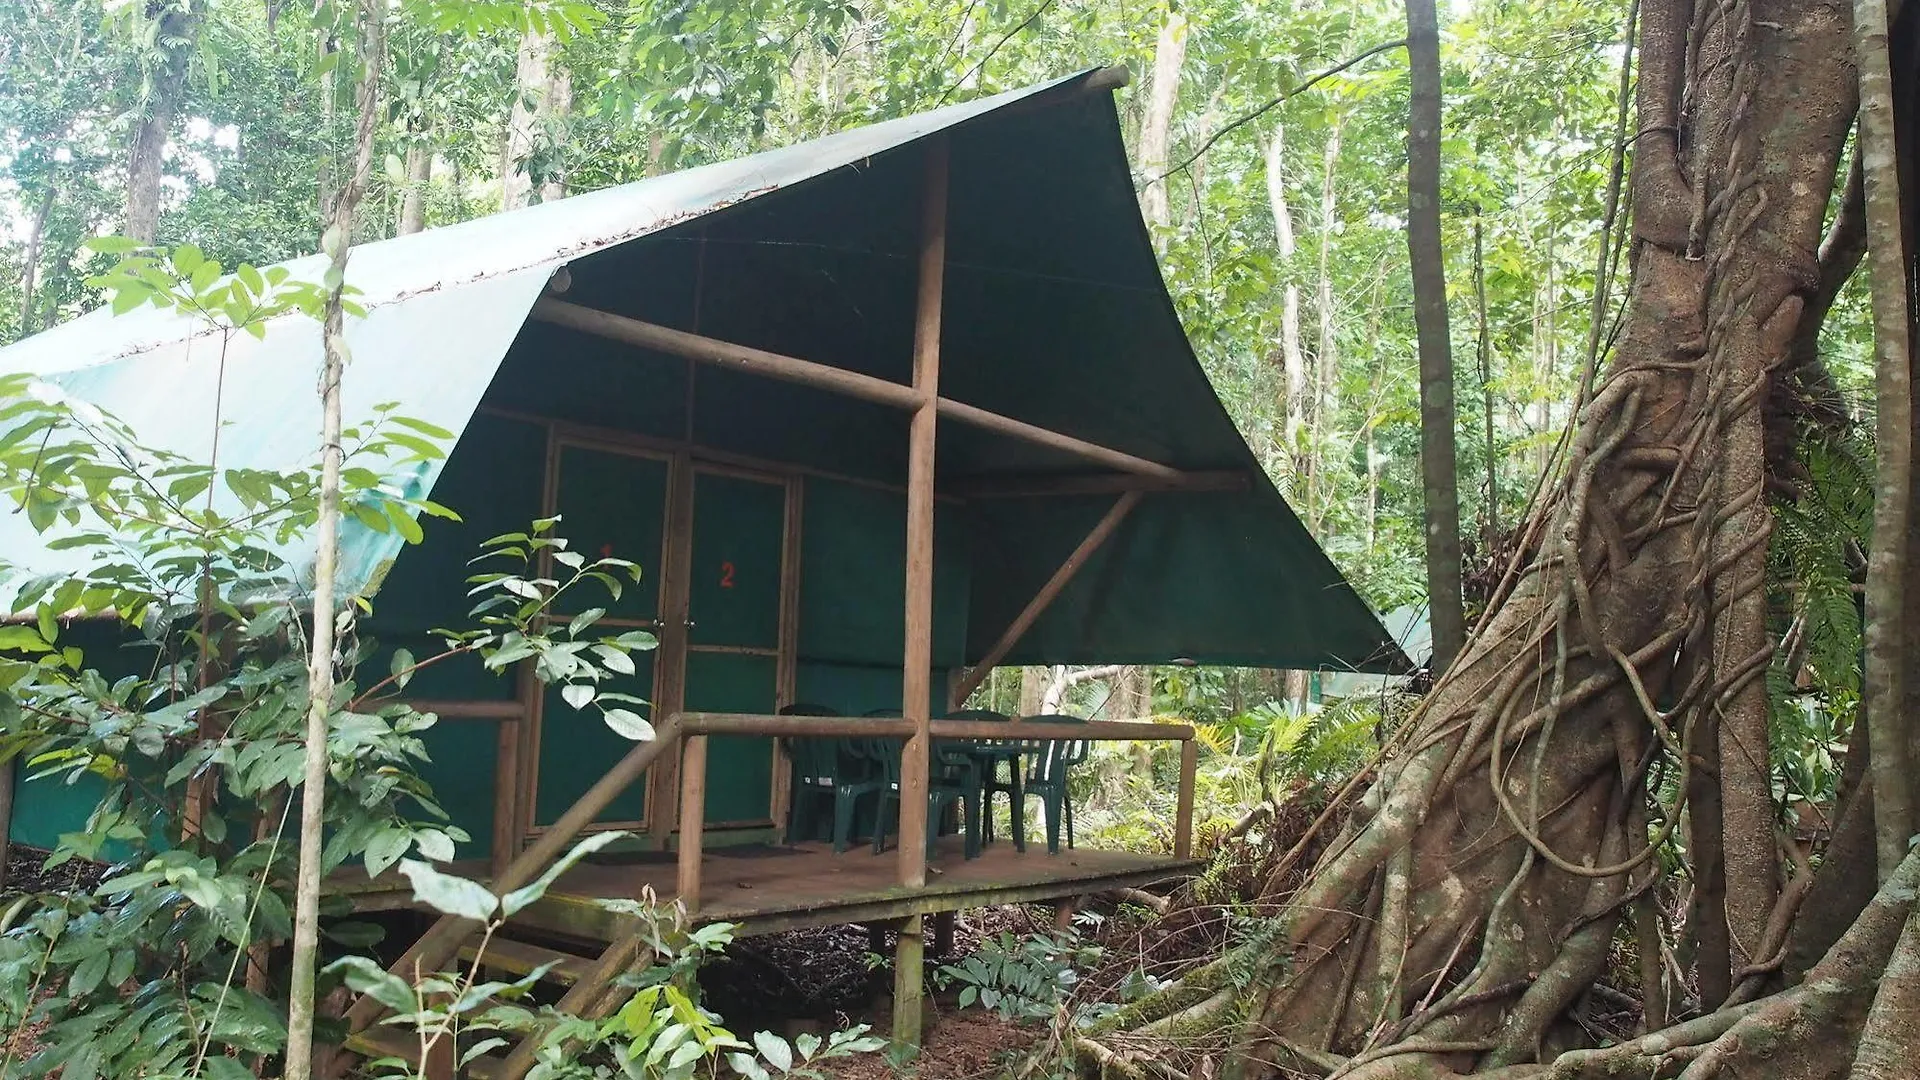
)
(578, 695)
(385, 849)
(614, 659)
(434, 844)
(748, 1066)
(807, 1043)
(585, 619)
(363, 976)
(629, 725)
(513, 902)
(448, 894)
(774, 1049)
(403, 522)
(433, 431)
(222, 1067)
(87, 974)
(401, 667)
(17, 638)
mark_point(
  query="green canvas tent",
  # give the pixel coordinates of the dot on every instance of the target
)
(788, 535)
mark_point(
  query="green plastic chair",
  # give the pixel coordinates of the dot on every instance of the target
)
(827, 770)
(953, 778)
(991, 783)
(1047, 775)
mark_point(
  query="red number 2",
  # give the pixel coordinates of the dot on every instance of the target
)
(726, 575)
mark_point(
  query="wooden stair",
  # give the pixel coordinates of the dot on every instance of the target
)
(508, 956)
(382, 1041)
(524, 958)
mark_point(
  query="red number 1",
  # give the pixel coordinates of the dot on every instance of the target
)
(726, 575)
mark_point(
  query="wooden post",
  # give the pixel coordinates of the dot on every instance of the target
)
(506, 795)
(1183, 815)
(917, 676)
(674, 623)
(909, 957)
(693, 818)
(787, 664)
(1028, 615)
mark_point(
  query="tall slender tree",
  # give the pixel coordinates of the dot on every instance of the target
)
(173, 36)
(337, 243)
(1440, 482)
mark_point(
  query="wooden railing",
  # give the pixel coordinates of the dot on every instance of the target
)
(695, 728)
(441, 941)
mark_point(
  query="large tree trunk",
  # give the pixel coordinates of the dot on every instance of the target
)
(179, 27)
(1438, 468)
(1326, 386)
(1296, 449)
(543, 91)
(413, 201)
(30, 263)
(1156, 125)
(1473, 892)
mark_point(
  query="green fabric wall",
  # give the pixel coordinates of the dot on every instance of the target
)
(853, 577)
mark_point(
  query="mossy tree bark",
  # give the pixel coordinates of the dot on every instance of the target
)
(1512, 829)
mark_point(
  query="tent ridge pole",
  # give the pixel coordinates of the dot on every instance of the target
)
(1024, 621)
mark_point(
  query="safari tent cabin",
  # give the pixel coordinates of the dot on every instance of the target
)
(874, 414)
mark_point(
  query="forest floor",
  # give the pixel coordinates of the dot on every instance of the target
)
(831, 978)
(25, 873)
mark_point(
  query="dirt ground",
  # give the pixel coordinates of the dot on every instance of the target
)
(25, 873)
(832, 978)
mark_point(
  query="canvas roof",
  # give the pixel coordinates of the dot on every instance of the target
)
(1055, 314)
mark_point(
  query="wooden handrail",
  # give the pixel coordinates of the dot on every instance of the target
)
(1093, 730)
(702, 723)
(443, 939)
(471, 710)
(794, 727)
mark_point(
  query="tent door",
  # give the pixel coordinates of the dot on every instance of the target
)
(737, 654)
(611, 501)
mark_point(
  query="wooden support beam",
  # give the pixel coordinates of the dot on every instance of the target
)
(693, 819)
(1028, 615)
(586, 998)
(443, 939)
(472, 710)
(675, 622)
(1183, 813)
(725, 354)
(917, 668)
(506, 781)
(1044, 486)
(826, 377)
(909, 985)
(1095, 731)
(794, 727)
(1066, 444)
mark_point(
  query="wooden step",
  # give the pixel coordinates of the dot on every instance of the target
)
(386, 1041)
(522, 958)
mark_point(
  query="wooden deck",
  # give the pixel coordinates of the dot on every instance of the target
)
(765, 889)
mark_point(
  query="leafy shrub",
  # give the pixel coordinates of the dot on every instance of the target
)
(1021, 978)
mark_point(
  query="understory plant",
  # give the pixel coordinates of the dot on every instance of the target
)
(1020, 977)
(166, 669)
(661, 1031)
